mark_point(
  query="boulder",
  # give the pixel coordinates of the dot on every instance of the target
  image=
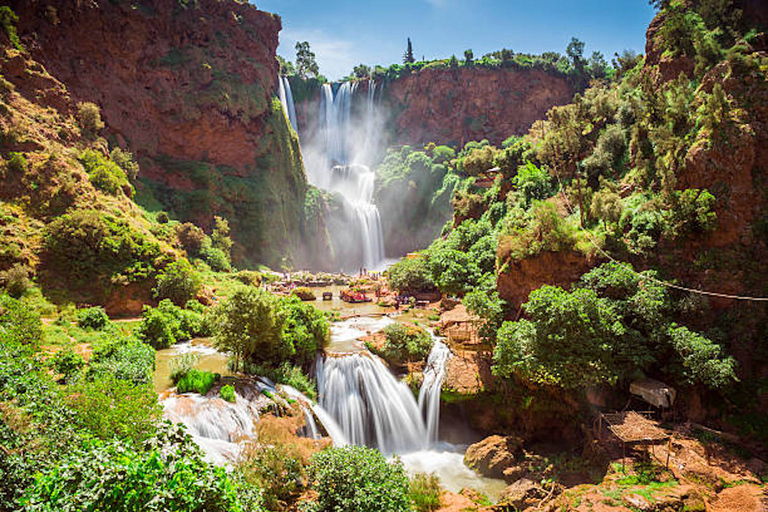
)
(491, 456)
(522, 494)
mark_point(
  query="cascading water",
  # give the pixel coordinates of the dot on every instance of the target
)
(372, 407)
(345, 140)
(286, 99)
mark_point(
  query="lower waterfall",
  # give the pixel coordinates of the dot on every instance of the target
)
(373, 408)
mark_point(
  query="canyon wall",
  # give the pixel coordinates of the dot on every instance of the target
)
(461, 105)
(187, 86)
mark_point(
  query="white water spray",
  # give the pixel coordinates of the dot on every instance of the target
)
(286, 99)
(373, 408)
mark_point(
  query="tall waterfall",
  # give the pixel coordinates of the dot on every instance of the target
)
(372, 407)
(346, 140)
(286, 99)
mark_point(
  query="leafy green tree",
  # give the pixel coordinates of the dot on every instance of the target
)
(405, 343)
(362, 71)
(597, 67)
(220, 238)
(567, 341)
(411, 275)
(358, 479)
(250, 326)
(306, 65)
(89, 119)
(533, 182)
(68, 363)
(408, 55)
(178, 282)
(575, 51)
(286, 66)
(469, 57)
(20, 325)
(305, 330)
(701, 359)
(94, 318)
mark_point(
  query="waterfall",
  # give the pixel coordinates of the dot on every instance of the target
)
(286, 99)
(373, 408)
(429, 394)
(347, 138)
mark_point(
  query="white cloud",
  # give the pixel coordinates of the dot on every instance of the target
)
(334, 55)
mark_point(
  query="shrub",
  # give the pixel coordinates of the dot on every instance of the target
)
(286, 374)
(19, 324)
(533, 182)
(215, 257)
(124, 159)
(163, 218)
(68, 363)
(159, 327)
(16, 280)
(358, 479)
(249, 277)
(89, 119)
(94, 318)
(167, 473)
(182, 365)
(111, 407)
(105, 175)
(227, 393)
(89, 247)
(191, 238)
(425, 492)
(304, 293)
(17, 163)
(405, 343)
(198, 381)
(178, 282)
(126, 359)
(305, 329)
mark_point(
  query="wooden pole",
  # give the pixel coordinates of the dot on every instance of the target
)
(669, 444)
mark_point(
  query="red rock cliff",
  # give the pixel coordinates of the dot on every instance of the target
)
(457, 106)
(187, 87)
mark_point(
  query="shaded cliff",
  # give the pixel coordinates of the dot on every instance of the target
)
(187, 87)
(457, 106)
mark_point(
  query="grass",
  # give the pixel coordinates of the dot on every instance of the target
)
(425, 492)
(198, 381)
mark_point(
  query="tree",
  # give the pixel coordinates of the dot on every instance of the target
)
(408, 55)
(575, 52)
(362, 71)
(250, 325)
(597, 67)
(305, 60)
(286, 66)
(468, 57)
(220, 236)
(178, 282)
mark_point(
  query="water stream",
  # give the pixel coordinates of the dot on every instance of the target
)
(361, 402)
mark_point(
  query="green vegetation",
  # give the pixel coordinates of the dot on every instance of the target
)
(198, 381)
(105, 174)
(92, 318)
(358, 479)
(227, 393)
(613, 327)
(425, 492)
(260, 328)
(168, 324)
(178, 282)
(404, 343)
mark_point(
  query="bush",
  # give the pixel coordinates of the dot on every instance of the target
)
(20, 325)
(286, 374)
(68, 363)
(178, 282)
(405, 343)
(411, 275)
(227, 393)
(124, 159)
(122, 358)
(215, 257)
(94, 318)
(168, 324)
(304, 293)
(90, 248)
(105, 175)
(182, 365)
(191, 238)
(89, 119)
(258, 327)
(168, 472)
(17, 163)
(358, 479)
(249, 277)
(112, 407)
(198, 381)
(425, 492)
(16, 280)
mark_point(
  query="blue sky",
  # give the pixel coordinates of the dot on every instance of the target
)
(343, 33)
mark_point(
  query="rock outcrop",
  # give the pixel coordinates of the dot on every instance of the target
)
(494, 454)
(187, 87)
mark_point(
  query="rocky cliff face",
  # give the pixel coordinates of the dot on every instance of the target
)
(457, 106)
(187, 86)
